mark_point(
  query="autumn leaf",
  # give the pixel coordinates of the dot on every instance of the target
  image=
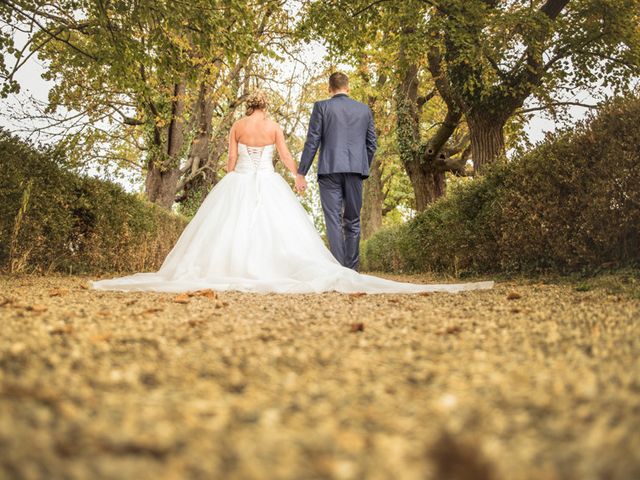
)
(151, 310)
(64, 329)
(194, 322)
(357, 327)
(451, 330)
(182, 298)
(37, 308)
(203, 293)
(58, 292)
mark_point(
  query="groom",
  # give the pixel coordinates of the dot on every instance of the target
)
(343, 130)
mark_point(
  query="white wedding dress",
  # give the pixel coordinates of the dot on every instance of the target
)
(252, 234)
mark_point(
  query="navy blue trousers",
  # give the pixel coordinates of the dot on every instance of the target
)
(341, 198)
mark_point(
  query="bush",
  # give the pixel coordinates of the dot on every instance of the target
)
(570, 204)
(55, 220)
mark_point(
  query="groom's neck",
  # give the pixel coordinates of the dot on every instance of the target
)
(338, 92)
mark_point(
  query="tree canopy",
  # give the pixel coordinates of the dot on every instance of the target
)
(155, 85)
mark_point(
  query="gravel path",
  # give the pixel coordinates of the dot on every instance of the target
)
(527, 381)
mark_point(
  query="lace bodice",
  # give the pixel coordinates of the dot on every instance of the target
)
(254, 159)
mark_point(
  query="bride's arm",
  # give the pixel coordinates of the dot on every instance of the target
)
(233, 149)
(283, 151)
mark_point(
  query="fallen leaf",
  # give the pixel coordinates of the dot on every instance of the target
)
(58, 292)
(182, 298)
(203, 293)
(37, 308)
(513, 296)
(104, 313)
(151, 310)
(357, 327)
(451, 330)
(357, 294)
(61, 330)
(195, 322)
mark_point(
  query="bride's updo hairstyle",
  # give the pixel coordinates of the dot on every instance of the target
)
(257, 100)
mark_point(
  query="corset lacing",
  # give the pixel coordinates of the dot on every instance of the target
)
(255, 157)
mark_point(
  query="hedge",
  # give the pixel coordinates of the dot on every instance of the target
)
(570, 204)
(52, 219)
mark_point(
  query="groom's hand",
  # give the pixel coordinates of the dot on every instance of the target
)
(301, 183)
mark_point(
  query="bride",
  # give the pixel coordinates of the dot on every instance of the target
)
(252, 234)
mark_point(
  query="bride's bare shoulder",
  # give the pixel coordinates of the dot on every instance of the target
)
(274, 125)
(238, 126)
(239, 123)
(269, 126)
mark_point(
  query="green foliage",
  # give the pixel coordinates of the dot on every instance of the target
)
(589, 42)
(8, 84)
(52, 219)
(491, 50)
(123, 73)
(485, 58)
(570, 204)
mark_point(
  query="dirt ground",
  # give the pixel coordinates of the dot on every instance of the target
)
(530, 380)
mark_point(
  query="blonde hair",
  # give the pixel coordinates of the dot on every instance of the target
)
(257, 100)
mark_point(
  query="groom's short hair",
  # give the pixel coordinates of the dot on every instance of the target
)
(338, 81)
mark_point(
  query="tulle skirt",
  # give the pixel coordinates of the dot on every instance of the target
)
(252, 234)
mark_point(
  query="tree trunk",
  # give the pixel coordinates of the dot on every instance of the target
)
(372, 201)
(487, 139)
(199, 152)
(199, 178)
(373, 198)
(163, 171)
(428, 184)
(161, 185)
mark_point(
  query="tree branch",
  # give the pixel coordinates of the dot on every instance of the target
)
(33, 18)
(425, 98)
(364, 9)
(556, 104)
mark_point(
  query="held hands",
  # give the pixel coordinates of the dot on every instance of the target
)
(301, 184)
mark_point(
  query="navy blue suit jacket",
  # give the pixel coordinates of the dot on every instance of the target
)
(343, 130)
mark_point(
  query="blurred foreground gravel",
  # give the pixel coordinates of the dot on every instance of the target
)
(527, 381)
